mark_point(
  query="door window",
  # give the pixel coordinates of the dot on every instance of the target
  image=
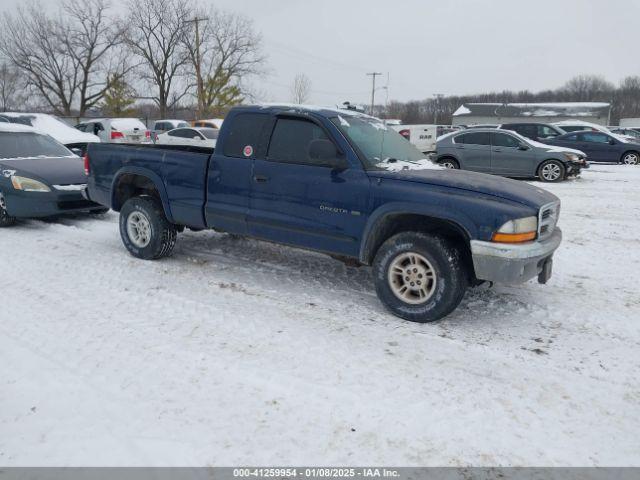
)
(594, 137)
(476, 138)
(292, 140)
(504, 140)
(546, 132)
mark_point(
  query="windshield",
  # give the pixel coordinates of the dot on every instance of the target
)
(210, 133)
(29, 145)
(378, 144)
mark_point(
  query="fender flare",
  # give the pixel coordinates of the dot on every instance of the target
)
(456, 218)
(152, 177)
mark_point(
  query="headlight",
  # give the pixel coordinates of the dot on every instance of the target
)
(572, 157)
(517, 231)
(28, 184)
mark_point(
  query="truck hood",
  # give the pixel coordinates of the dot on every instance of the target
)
(50, 170)
(499, 187)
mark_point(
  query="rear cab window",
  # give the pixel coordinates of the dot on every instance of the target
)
(244, 135)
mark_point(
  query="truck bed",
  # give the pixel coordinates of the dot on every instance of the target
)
(182, 170)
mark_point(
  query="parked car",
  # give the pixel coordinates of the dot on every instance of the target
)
(509, 154)
(163, 126)
(423, 137)
(534, 131)
(63, 133)
(600, 147)
(481, 125)
(117, 130)
(198, 137)
(579, 125)
(208, 123)
(39, 177)
(320, 179)
(627, 132)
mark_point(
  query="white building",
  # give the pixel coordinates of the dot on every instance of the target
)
(630, 122)
(496, 113)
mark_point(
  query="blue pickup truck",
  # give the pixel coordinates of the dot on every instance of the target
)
(337, 182)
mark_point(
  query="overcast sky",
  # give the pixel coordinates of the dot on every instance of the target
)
(442, 46)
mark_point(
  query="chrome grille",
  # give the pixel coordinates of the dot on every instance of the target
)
(547, 219)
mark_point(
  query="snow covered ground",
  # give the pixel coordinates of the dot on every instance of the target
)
(236, 351)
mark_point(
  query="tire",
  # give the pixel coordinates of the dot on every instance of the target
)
(630, 158)
(6, 220)
(552, 171)
(449, 163)
(143, 216)
(429, 253)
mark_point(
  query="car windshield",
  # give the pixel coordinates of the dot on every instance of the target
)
(30, 145)
(379, 145)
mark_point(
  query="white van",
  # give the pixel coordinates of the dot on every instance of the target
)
(422, 136)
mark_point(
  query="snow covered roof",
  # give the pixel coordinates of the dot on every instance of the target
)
(560, 109)
(16, 127)
(52, 126)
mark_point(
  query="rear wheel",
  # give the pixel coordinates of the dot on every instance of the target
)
(630, 158)
(552, 171)
(6, 220)
(419, 277)
(145, 230)
(450, 163)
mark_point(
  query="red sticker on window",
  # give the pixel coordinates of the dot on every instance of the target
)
(248, 151)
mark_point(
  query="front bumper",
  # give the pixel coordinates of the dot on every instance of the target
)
(46, 204)
(574, 168)
(505, 263)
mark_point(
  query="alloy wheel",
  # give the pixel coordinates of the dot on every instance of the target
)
(412, 278)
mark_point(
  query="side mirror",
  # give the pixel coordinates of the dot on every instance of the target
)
(612, 141)
(523, 147)
(325, 153)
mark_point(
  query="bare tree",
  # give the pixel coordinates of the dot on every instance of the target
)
(93, 41)
(301, 88)
(587, 88)
(11, 89)
(33, 43)
(155, 35)
(226, 52)
(65, 59)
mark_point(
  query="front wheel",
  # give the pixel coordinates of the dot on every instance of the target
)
(145, 230)
(419, 277)
(551, 171)
(450, 163)
(631, 158)
(6, 220)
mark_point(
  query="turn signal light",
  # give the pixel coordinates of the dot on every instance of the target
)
(514, 237)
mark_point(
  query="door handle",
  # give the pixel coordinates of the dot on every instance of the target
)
(497, 150)
(260, 178)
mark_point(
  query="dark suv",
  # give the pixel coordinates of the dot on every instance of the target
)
(534, 131)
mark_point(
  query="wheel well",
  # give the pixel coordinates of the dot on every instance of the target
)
(629, 151)
(549, 160)
(397, 223)
(131, 185)
(447, 157)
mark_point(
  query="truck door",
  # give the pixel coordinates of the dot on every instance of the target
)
(297, 198)
(228, 181)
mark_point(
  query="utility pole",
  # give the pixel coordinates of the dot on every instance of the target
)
(438, 96)
(373, 76)
(199, 83)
